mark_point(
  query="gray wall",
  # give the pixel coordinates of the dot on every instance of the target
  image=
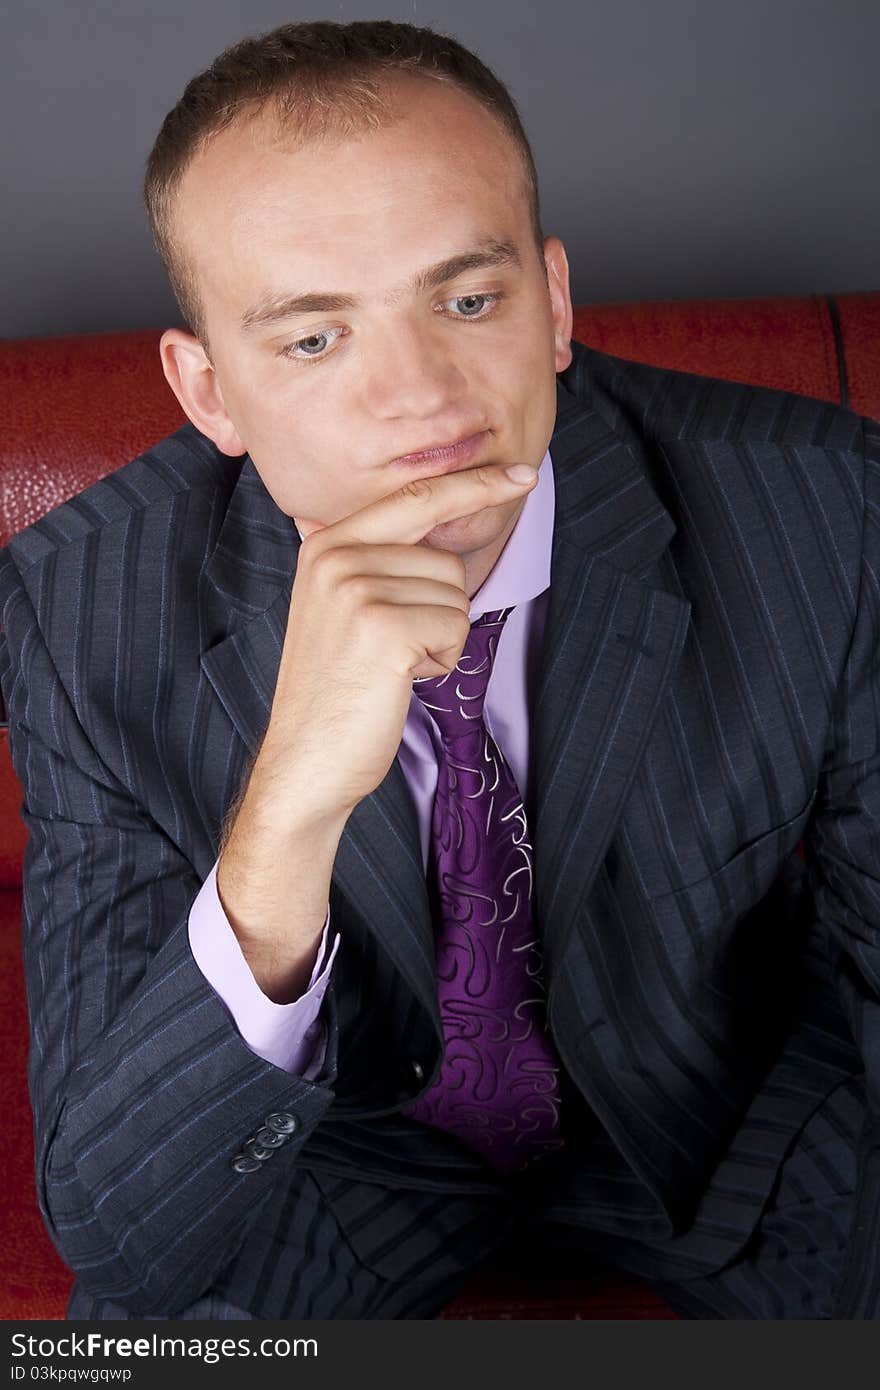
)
(685, 147)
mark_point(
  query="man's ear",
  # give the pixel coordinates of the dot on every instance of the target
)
(193, 380)
(556, 262)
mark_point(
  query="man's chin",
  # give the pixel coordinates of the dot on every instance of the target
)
(465, 531)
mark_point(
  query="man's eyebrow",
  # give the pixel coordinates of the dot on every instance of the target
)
(275, 307)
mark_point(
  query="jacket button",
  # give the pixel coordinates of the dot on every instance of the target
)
(242, 1163)
(282, 1122)
(270, 1138)
(417, 1069)
(255, 1150)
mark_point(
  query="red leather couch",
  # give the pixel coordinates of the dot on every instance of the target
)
(75, 408)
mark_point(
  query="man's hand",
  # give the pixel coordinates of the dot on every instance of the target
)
(370, 610)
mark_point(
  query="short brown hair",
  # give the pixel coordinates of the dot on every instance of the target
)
(322, 77)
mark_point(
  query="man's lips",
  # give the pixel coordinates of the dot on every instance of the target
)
(430, 461)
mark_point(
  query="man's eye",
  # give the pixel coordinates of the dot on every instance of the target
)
(469, 298)
(310, 347)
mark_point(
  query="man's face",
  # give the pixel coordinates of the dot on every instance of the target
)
(327, 398)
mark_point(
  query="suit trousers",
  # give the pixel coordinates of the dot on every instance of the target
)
(790, 1267)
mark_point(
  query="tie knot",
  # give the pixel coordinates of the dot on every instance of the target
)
(455, 701)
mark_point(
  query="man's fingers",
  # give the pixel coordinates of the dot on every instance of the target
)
(406, 515)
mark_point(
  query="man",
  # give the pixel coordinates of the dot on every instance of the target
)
(341, 977)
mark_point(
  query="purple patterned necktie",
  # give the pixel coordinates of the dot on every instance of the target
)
(498, 1087)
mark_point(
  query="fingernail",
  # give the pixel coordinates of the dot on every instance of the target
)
(521, 473)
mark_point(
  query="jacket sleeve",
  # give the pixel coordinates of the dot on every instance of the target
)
(843, 857)
(145, 1096)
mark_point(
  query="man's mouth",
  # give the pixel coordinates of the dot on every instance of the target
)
(460, 452)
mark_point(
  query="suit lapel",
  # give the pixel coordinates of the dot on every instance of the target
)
(611, 644)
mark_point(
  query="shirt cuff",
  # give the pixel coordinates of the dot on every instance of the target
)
(290, 1036)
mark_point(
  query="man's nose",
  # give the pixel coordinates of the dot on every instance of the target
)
(413, 372)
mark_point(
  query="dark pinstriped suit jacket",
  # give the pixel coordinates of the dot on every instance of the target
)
(708, 698)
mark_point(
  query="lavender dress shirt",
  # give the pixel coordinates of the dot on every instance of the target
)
(291, 1036)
